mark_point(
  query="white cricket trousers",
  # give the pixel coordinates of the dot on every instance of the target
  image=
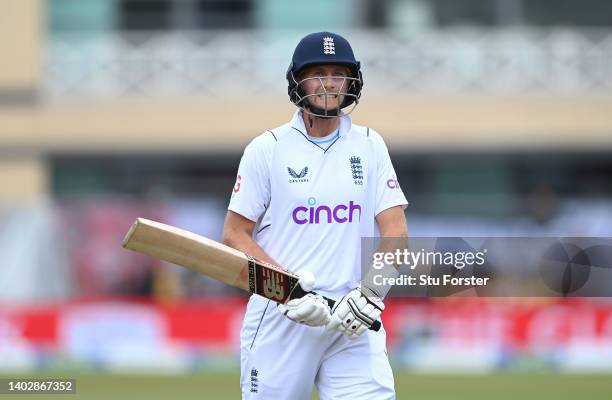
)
(281, 359)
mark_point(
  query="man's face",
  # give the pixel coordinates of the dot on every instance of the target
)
(325, 83)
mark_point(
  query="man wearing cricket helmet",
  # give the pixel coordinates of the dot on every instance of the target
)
(309, 191)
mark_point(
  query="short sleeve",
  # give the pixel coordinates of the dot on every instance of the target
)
(251, 192)
(388, 191)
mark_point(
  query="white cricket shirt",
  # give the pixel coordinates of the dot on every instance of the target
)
(312, 205)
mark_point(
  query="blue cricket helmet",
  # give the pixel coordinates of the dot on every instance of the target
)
(318, 49)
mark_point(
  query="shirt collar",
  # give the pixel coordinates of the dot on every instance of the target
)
(298, 123)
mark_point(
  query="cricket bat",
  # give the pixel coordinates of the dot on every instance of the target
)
(215, 260)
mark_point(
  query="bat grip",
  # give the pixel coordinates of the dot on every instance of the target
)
(299, 292)
(374, 327)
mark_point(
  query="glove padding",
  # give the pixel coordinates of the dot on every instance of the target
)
(355, 313)
(311, 309)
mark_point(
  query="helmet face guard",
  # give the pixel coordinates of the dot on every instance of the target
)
(324, 48)
(349, 92)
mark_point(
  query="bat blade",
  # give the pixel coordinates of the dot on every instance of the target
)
(215, 260)
(210, 258)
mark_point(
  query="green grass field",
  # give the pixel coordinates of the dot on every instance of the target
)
(222, 386)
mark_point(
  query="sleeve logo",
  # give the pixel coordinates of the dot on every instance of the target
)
(237, 185)
(393, 183)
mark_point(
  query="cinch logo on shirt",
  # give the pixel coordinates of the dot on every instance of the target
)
(340, 213)
(393, 183)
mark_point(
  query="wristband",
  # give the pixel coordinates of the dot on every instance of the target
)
(376, 282)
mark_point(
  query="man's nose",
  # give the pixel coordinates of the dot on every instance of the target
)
(329, 81)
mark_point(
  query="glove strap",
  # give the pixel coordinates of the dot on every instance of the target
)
(358, 314)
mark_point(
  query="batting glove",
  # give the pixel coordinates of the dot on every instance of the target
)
(311, 309)
(355, 313)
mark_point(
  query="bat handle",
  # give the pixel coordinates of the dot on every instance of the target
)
(374, 327)
(299, 292)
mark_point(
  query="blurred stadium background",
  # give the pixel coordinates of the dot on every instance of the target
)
(498, 115)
